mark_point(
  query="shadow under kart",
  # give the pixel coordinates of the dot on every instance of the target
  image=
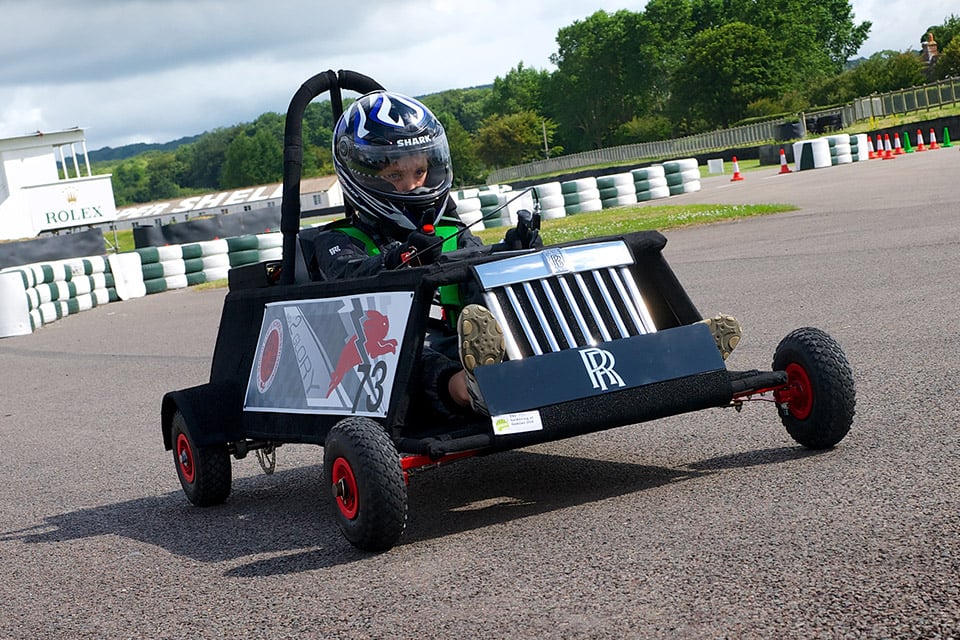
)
(599, 334)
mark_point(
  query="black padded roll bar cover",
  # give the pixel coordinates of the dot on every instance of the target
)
(293, 150)
(357, 82)
(293, 147)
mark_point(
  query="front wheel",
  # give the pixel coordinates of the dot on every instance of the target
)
(818, 405)
(364, 482)
(204, 472)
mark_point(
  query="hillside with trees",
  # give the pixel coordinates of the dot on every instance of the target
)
(676, 68)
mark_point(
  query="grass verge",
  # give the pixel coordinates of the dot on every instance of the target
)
(627, 219)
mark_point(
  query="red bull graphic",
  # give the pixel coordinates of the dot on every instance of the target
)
(335, 355)
(374, 342)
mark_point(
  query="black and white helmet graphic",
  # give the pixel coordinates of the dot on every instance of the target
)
(393, 161)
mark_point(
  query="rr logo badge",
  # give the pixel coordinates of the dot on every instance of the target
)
(599, 365)
(555, 261)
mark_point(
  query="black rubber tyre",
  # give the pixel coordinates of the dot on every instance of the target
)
(818, 408)
(205, 473)
(364, 485)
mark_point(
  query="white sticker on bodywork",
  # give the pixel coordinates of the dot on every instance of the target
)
(516, 423)
(329, 355)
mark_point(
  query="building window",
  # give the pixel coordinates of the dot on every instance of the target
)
(317, 199)
(224, 210)
(247, 207)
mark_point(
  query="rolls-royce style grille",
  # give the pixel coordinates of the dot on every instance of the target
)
(564, 298)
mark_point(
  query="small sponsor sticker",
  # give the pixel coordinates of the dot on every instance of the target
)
(516, 423)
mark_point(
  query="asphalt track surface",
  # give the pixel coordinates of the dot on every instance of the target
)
(708, 525)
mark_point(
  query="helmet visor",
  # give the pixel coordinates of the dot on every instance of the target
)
(411, 166)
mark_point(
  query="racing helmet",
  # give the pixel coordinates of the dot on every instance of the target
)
(393, 161)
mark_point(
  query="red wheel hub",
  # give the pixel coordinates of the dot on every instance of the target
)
(345, 488)
(798, 396)
(185, 458)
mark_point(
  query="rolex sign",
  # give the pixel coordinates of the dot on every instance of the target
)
(78, 202)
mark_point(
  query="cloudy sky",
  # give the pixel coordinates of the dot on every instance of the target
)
(157, 70)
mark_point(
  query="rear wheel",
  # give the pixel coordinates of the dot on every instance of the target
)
(365, 486)
(818, 405)
(204, 472)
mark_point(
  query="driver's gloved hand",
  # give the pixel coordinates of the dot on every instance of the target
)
(421, 248)
(526, 235)
(514, 239)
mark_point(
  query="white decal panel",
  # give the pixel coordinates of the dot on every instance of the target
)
(330, 356)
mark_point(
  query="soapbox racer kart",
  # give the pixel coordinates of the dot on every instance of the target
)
(304, 361)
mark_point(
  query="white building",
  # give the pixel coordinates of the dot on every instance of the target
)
(37, 194)
(321, 195)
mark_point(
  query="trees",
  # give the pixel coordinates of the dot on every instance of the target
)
(815, 37)
(522, 89)
(676, 67)
(254, 157)
(204, 158)
(512, 139)
(727, 68)
(948, 64)
(607, 68)
(883, 71)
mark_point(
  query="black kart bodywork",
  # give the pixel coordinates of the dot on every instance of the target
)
(600, 334)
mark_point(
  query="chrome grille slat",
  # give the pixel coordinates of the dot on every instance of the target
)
(586, 294)
(524, 322)
(611, 307)
(541, 318)
(577, 314)
(648, 325)
(594, 311)
(558, 314)
(625, 297)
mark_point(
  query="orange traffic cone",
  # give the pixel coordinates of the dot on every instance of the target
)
(897, 148)
(870, 155)
(920, 146)
(783, 163)
(887, 149)
(933, 140)
(736, 170)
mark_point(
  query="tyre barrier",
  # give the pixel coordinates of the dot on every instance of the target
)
(493, 197)
(469, 209)
(581, 195)
(683, 176)
(37, 294)
(550, 196)
(859, 149)
(650, 183)
(812, 154)
(617, 190)
(840, 151)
